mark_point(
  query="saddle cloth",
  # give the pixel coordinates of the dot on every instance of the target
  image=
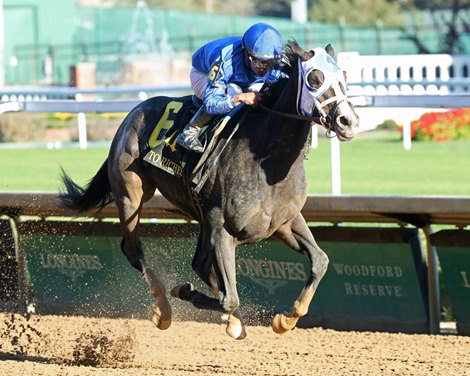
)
(167, 155)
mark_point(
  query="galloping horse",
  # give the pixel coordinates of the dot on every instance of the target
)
(255, 190)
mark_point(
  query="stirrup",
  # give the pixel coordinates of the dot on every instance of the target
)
(190, 143)
(198, 148)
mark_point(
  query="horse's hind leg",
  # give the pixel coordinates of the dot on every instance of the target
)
(129, 196)
(297, 236)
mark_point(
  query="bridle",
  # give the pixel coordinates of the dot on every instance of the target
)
(308, 97)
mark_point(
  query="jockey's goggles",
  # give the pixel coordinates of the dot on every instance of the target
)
(262, 64)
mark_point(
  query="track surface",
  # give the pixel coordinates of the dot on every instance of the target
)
(57, 345)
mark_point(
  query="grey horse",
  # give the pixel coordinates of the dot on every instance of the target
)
(255, 190)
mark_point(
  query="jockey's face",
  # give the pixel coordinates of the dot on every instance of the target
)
(260, 67)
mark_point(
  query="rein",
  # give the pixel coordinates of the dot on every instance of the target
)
(321, 120)
(316, 119)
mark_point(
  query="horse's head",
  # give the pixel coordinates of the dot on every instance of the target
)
(321, 91)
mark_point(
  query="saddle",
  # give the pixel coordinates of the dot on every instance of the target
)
(165, 154)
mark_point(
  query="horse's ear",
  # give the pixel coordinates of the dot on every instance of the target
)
(330, 51)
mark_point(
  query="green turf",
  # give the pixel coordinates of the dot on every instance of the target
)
(39, 169)
(371, 164)
(378, 164)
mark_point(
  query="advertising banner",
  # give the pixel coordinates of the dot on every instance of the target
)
(453, 248)
(375, 279)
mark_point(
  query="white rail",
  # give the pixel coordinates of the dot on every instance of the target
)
(406, 74)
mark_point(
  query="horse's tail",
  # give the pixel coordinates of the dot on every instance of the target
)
(96, 194)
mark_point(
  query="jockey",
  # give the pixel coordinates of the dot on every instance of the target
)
(230, 71)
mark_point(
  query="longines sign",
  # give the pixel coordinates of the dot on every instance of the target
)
(271, 274)
(72, 265)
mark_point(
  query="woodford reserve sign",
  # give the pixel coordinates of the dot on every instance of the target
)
(375, 279)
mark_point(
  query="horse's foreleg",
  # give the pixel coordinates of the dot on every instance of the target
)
(297, 236)
(235, 324)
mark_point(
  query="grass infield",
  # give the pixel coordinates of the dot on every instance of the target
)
(374, 163)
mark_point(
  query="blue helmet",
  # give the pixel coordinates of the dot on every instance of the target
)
(263, 42)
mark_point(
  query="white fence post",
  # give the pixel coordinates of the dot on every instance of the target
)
(407, 136)
(335, 166)
(314, 135)
(81, 123)
(82, 135)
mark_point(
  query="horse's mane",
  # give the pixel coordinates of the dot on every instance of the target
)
(293, 52)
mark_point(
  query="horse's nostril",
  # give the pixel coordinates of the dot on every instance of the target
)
(343, 120)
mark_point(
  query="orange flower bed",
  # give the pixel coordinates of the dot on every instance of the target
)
(442, 126)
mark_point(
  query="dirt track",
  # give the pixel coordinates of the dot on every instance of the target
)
(55, 345)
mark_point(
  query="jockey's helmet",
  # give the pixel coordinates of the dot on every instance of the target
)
(263, 42)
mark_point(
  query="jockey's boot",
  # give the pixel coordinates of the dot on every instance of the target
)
(189, 138)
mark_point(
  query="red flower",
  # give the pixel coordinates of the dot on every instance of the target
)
(442, 126)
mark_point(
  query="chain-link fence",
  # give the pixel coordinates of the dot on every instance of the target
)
(113, 38)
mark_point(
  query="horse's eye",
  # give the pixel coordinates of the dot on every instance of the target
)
(314, 79)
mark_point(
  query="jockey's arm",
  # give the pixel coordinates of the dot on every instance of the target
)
(217, 101)
(253, 97)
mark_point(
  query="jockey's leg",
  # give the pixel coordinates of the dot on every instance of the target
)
(189, 138)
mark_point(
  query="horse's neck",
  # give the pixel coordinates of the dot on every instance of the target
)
(282, 141)
(292, 134)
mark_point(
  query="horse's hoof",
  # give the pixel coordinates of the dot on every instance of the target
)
(178, 291)
(160, 320)
(235, 329)
(282, 323)
(236, 332)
